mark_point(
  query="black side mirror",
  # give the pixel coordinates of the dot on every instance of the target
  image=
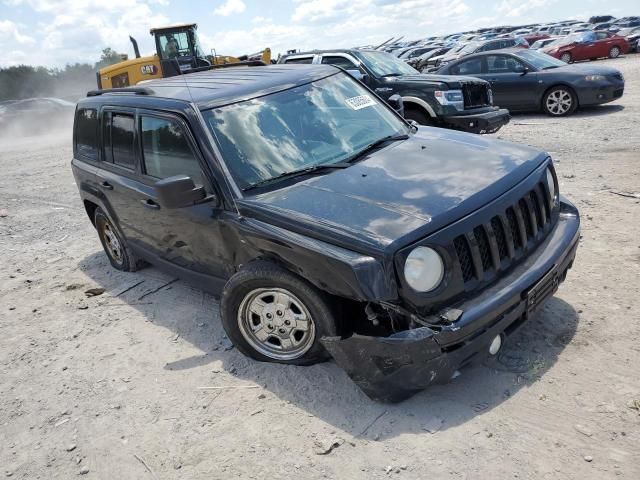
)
(522, 70)
(179, 191)
(395, 102)
(358, 75)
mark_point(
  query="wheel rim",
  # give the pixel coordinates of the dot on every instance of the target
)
(565, 57)
(276, 323)
(615, 51)
(111, 241)
(559, 102)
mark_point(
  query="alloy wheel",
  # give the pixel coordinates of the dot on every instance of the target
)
(566, 57)
(559, 102)
(276, 323)
(614, 52)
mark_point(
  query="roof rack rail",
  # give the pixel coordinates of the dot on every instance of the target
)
(133, 90)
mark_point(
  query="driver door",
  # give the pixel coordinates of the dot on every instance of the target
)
(512, 87)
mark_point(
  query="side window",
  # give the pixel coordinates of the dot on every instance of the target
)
(339, 62)
(503, 64)
(119, 139)
(472, 66)
(299, 60)
(602, 35)
(87, 133)
(166, 151)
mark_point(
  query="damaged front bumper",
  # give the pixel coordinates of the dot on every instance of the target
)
(485, 122)
(391, 369)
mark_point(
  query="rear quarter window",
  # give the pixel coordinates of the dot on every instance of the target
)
(87, 133)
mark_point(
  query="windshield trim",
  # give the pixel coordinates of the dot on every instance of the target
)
(210, 106)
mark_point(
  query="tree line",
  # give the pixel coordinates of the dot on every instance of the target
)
(70, 82)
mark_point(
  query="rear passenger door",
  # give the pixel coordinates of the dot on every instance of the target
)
(116, 174)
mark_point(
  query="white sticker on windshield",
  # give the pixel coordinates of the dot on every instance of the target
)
(361, 101)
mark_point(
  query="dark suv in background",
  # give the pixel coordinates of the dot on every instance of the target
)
(461, 103)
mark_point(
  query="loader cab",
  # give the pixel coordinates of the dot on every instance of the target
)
(179, 49)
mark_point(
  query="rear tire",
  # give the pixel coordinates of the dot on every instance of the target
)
(272, 315)
(418, 116)
(614, 52)
(566, 57)
(559, 101)
(115, 246)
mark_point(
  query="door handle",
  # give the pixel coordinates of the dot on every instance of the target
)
(150, 204)
(106, 186)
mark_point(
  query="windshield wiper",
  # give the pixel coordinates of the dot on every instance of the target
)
(391, 75)
(296, 173)
(550, 66)
(374, 145)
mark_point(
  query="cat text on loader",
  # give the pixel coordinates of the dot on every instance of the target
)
(178, 51)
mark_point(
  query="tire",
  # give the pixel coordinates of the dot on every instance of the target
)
(261, 306)
(566, 57)
(614, 52)
(418, 116)
(559, 101)
(116, 248)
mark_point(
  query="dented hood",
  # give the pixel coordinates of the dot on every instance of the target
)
(400, 193)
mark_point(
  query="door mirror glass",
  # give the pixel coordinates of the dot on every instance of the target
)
(178, 191)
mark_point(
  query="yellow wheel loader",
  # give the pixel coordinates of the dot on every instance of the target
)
(178, 52)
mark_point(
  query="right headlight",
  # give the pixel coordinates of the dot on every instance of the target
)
(423, 269)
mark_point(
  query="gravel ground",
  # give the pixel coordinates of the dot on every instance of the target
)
(109, 386)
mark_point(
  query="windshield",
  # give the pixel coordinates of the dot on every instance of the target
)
(320, 123)
(541, 61)
(382, 63)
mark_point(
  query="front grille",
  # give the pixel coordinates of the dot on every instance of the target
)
(618, 93)
(475, 95)
(497, 245)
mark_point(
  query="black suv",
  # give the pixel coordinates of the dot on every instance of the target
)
(462, 103)
(328, 224)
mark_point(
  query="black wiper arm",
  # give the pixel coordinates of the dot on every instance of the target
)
(296, 173)
(372, 146)
(391, 75)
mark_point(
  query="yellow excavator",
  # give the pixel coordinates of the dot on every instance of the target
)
(178, 52)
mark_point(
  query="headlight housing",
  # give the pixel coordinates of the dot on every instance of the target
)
(450, 97)
(423, 269)
(595, 78)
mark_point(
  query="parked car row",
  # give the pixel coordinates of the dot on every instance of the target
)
(596, 38)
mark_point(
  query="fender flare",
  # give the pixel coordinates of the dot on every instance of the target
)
(421, 103)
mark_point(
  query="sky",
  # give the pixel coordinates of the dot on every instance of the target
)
(53, 33)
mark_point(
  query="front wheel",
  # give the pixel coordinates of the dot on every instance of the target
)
(418, 116)
(272, 315)
(614, 52)
(566, 57)
(559, 101)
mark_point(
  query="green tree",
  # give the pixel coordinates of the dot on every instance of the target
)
(108, 57)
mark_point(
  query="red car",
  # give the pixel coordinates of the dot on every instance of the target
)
(531, 39)
(588, 46)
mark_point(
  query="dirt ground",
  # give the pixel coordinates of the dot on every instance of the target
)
(110, 386)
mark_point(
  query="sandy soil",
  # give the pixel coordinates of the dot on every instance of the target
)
(110, 386)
